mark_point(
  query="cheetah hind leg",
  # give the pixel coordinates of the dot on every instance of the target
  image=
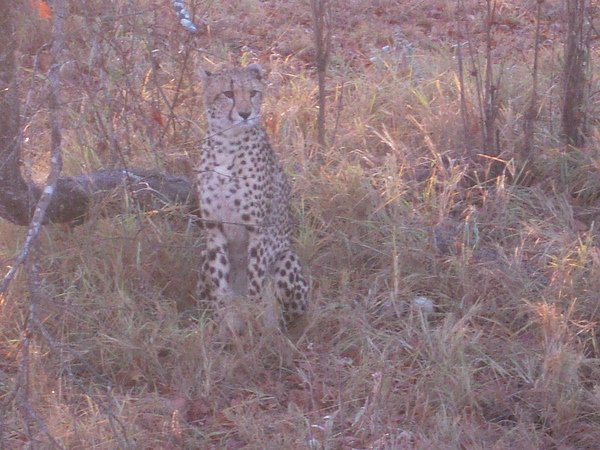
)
(290, 287)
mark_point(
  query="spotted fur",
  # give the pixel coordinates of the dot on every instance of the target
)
(244, 199)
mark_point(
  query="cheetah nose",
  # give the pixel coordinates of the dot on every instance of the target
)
(244, 114)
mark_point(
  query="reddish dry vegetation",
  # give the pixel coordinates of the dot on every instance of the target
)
(449, 311)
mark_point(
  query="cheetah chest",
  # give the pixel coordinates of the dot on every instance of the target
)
(222, 195)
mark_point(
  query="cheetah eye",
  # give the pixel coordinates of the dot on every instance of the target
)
(254, 93)
(228, 94)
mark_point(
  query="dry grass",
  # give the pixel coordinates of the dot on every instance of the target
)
(447, 313)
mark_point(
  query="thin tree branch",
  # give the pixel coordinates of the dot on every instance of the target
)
(23, 398)
(530, 115)
(321, 10)
(461, 78)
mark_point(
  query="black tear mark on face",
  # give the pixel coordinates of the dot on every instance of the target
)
(232, 98)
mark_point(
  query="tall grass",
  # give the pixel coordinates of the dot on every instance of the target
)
(446, 312)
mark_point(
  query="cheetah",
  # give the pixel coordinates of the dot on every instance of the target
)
(244, 198)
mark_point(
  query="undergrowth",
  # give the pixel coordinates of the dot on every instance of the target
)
(448, 310)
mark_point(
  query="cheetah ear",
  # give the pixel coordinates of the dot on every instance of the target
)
(256, 70)
(203, 74)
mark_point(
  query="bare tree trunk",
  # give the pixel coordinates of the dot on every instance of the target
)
(574, 77)
(321, 10)
(531, 113)
(490, 101)
(487, 95)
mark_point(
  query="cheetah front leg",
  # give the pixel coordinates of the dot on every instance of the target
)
(215, 269)
(215, 284)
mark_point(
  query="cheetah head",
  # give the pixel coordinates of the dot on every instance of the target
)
(232, 97)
